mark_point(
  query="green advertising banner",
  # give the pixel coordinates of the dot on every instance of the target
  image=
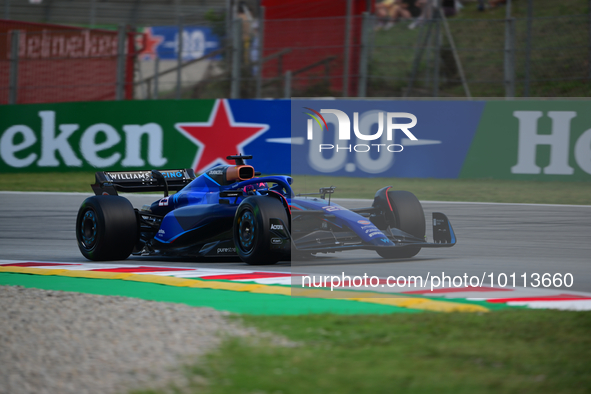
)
(97, 135)
(137, 135)
(532, 140)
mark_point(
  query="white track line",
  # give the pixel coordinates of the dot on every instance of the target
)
(337, 200)
(90, 193)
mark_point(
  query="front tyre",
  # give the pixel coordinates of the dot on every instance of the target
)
(407, 215)
(106, 228)
(252, 230)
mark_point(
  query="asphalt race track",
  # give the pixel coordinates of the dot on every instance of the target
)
(492, 238)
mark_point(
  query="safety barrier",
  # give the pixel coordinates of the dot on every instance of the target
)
(523, 140)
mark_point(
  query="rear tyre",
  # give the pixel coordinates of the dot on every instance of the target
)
(106, 228)
(252, 230)
(409, 217)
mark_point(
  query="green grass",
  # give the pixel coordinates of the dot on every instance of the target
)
(48, 182)
(503, 352)
(485, 190)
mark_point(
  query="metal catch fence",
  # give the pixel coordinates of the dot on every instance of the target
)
(315, 57)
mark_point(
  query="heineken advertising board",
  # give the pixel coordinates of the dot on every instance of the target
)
(543, 140)
(131, 135)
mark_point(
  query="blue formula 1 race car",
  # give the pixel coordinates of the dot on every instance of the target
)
(230, 212)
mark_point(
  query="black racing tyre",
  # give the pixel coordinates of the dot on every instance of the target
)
(252, 229)
(106, 228)
(408, 217)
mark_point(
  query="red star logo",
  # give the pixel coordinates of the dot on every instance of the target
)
(149, 44)
(220, 136)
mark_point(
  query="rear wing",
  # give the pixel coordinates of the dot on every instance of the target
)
(110, 182)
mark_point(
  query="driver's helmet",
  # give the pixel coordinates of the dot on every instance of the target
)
(251, 189)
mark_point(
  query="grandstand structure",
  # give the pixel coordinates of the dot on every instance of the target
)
(110, 12)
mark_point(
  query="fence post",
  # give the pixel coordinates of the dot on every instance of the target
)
(13, 76)
(437, 52)
(509, 53)
(454, 49)
(260, 48)
(156, 71)
(347, 49)
(92, 12)
(177, 10)
(510, 58)
(120, 63)
(179, 59)
(421, 44)
(287, 85)
(228, 18)
(528, 48)
(363, 60)
(236, 57)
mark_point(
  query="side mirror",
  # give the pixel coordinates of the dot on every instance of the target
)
(161, 180)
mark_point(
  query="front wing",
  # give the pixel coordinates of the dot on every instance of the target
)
(329, 241)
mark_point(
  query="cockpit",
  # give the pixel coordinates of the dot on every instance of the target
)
(213, 186)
